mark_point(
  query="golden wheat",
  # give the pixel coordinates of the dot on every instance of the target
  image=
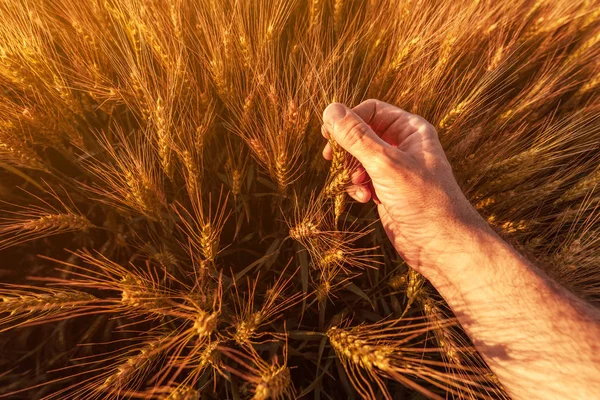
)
(179, 236)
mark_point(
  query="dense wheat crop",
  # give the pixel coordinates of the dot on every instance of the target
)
(169, 229)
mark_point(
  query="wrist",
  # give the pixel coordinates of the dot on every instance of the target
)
(463, 246)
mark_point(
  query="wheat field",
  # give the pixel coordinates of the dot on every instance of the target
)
(169, 229)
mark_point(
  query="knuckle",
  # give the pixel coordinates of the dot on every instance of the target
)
(430, 131)
(423, 126)
(417, 120)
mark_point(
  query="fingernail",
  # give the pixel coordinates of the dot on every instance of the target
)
(334, 112)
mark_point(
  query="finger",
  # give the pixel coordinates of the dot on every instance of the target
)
(378, 114)
(324, 132)
(327, 152)
(353, 134)
(391, 123)
(359, 175)
(362, 194)
(369, 186)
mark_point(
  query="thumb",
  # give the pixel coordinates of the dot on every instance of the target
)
(353, 134)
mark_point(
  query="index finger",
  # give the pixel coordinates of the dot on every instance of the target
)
(391, 123)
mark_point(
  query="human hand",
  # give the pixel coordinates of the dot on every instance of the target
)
(403, 168)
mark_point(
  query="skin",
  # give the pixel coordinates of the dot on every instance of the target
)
(541, 341)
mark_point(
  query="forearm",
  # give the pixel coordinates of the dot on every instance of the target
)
(539, 339)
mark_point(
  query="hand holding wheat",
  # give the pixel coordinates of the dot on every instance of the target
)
(484, 280)
(404, 169)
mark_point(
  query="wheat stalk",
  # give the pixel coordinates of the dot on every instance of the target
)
(173, 149)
